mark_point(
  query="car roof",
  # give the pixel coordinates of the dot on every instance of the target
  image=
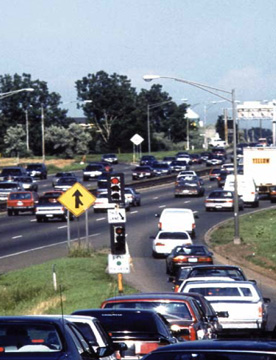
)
(150, 296)
(218, 344)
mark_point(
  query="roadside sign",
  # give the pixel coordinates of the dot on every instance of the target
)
(116, 216)
(118, 264)
(77, 199)
(137, 139)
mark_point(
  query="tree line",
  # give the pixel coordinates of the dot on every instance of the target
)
(116, 112)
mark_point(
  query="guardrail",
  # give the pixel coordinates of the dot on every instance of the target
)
(138, 184)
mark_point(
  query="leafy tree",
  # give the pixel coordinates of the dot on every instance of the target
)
(15, 141)
(13, 108)
(66, 142)
(113, 101)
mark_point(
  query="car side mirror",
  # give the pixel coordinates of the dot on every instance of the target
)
(267, 300)
(104, 351)
(157, 215)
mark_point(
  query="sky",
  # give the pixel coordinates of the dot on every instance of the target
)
(228, 44)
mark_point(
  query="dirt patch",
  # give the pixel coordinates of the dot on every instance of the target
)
(14, 162)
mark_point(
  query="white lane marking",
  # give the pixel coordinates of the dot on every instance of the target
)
(17, 237)
(156, 197)
(134, 212)
(187, 201)
(100, 219)
(32, 220)
(161, 206)
(62, 227)
(95, 235)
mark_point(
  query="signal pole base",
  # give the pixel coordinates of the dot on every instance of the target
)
(237, 241)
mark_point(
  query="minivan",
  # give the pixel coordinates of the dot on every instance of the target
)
(174, 219)
(247, 188)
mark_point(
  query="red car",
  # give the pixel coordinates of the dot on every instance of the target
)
(183, 312)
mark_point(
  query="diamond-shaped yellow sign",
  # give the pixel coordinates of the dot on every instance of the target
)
(77, 199)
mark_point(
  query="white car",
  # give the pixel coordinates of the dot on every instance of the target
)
(202, 279)
(227, 167)
(177, 219)
(247, 309)
(166, 241)
(102, 204)
(186, 173)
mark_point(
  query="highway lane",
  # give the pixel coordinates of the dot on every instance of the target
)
(21, 233)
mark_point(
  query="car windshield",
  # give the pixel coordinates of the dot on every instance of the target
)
(34, 167)
(93, 167)
(5, 186)
(174, 235)
(29, 337)
(142, 168)
(25, 179)
(12, 172)
(167, 308)
(66, 181)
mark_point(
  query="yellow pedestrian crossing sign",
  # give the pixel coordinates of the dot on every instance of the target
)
(77, 199)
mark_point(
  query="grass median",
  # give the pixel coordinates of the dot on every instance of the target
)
(258, 245)
(82, 282)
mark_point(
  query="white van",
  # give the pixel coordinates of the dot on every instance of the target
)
(172, 219)
(247, 188)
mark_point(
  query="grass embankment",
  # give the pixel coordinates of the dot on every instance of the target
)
(83, 281)
(258, 246)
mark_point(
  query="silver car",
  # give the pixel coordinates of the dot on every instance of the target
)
(221, 200)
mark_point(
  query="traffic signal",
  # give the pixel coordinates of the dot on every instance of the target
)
(118, 239)
(116, 193)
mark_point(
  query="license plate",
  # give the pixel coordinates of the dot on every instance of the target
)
(218, 206)
(49, 215)
(192, 260)
(185, 191)
(19, 203)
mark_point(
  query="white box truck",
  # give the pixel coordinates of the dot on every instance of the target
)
(260, 163)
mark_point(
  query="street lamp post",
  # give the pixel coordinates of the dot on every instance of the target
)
(219, 93)
(10, 93)
(43, 133)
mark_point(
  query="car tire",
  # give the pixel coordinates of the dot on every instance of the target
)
(10, 212)
(139, 203)
(154, 255)
(39, 219)
(16, 212)
(256, 204)
(208, 209)
(96, 211)
(167, 270)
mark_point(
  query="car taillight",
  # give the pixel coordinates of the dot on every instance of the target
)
(260, 310)
(159, 244)
(176, 287)
(204, 259)
(145, 348)
(160, 226)
(193, 335)
(193, 226)
(179, 258)
(229, 201)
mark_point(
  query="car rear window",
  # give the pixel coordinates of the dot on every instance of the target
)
(217, 291)
(133, 322)
(12, 172)
(169, 308)
(29, 337)
(188, 250)
(234, 274)
(173, 235)
(18, 196)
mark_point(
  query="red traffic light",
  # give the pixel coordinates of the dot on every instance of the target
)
(115, 181)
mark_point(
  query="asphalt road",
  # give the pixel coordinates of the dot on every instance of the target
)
(24, 242)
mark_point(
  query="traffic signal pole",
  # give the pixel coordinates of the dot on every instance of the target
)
(120, 283)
